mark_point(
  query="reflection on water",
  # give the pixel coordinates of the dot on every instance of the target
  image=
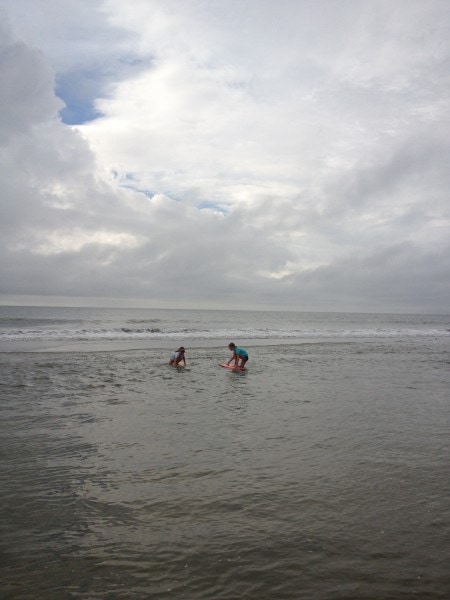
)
(319, 473)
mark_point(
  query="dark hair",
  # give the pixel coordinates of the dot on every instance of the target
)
(181, 349)
(231, 345)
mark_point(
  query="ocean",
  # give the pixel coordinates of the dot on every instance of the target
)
(319, 473)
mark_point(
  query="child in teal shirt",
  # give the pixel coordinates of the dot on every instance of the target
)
(240, 355)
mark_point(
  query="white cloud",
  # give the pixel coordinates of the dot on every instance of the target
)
(245, 154)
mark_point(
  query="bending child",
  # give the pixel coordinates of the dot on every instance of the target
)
(177, 357)
(240, 356)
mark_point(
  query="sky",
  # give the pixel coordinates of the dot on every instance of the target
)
(257, 154)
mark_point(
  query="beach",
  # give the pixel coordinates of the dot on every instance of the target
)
(319, 473)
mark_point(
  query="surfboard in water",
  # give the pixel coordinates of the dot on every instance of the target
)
(232, 367)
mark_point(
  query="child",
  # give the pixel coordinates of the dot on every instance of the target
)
(239, 354)
(177, 357)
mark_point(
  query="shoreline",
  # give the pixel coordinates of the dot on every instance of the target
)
(22, 347)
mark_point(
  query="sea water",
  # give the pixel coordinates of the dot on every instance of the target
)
(319, 473)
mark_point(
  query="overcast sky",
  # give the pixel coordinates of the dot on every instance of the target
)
(226, 153)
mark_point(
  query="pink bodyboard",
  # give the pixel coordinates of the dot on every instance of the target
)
(231, 367)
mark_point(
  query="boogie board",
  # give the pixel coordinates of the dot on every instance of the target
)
(232, 367)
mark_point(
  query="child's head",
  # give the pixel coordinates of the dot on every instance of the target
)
(231, 346)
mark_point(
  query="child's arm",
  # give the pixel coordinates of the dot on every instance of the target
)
(232, 358)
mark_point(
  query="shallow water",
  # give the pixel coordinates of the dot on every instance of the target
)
(320, 473)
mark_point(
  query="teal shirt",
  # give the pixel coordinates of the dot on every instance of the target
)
(240, 352)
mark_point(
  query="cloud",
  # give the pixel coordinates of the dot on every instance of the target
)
(227, 154)
(26, 95)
